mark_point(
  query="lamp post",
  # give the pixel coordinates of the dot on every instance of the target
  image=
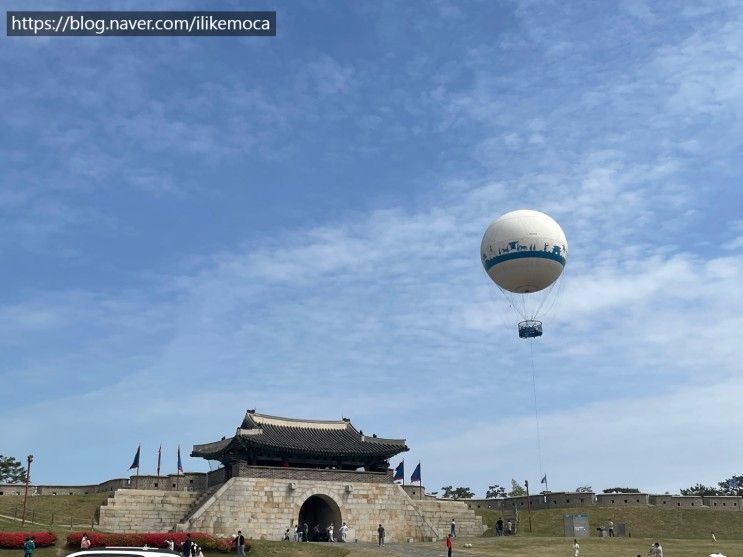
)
(528, 502)
(30, 459)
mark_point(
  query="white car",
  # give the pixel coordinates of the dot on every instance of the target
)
(124, 552)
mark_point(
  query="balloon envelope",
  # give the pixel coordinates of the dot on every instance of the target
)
(524, 251)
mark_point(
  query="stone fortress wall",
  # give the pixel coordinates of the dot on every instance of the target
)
(264, 501)
(201, 482)
(566, 500)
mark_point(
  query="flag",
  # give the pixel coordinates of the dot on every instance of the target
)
(416, 476)
(135, 464)
(180, 465)
(159, 454)
(544, 480)
(399, 472)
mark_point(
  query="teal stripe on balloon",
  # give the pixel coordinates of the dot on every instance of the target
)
(490, 263)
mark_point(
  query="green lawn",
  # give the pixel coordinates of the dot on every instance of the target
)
(533, 546)
(641, 522)
(54, 510)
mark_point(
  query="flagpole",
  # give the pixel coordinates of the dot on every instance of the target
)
(420, 481)
(403, 472)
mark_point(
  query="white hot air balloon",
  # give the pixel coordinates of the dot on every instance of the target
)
(524, 252)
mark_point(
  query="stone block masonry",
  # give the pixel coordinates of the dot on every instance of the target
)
(264, 508)
(144, 510)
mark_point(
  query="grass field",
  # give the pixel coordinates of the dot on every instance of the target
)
(641, 522)
(683, 533)
(54, 510)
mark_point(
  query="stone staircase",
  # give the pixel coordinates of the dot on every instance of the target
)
(184, 523)
(439, 512)
(137, 510)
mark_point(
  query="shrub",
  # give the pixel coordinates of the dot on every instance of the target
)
(151, 539)
(15, 540)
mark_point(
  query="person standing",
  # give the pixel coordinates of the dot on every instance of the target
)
(240, 543)
(344, 532)
(380, 533)
(611, 529)
(453, 529)
(306, 531)
(449, 544)
(187, 546)
(331, 537)
(576, 548)
(85, 542)
(29, 546)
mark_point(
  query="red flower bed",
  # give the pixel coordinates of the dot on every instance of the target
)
(151, 539)
(15, 540)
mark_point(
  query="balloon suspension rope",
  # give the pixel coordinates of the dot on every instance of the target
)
(536, 407)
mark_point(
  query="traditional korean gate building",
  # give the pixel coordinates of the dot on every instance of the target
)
(279, 472)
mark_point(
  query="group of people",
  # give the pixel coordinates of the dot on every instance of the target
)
(301, 533)
(504, 530)
(191, 548)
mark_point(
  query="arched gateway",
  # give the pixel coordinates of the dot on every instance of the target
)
(321, 511)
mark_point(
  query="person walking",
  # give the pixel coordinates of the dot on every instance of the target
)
(187, 546)
(453, 529)
(331, 537)
(380, 533)
(656, 550)
(28, 547)
(240, 543)
(576, 548)
(449, 544)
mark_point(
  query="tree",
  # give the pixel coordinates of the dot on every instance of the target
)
(622, 490)
(584, 489)
(517, 490)
(11, 471)
(495, 491)
(725, 487)
(700, 490)
(730, 487)
(457, 492)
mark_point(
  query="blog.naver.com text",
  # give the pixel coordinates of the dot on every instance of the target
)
(101, 24)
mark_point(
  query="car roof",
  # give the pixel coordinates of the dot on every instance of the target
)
(116, 550)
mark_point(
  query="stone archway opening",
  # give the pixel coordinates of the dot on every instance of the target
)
(319, 512)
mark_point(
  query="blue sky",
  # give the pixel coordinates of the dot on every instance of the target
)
(191, 227)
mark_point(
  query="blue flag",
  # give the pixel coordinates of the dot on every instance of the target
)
(180, 465)
(416, 477)
(399, 472)
(544, 480)
(135, 464)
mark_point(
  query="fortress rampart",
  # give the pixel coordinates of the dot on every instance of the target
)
(201, 482)
(567, 500)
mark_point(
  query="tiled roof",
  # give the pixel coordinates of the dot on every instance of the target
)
(329, 438)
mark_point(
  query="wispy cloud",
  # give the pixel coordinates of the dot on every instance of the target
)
(379, 309)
